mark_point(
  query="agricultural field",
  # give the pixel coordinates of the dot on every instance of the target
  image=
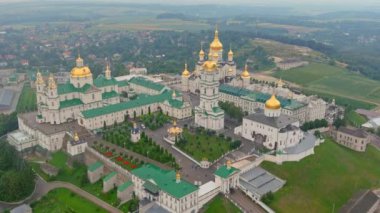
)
(326, 179)
(282, 50)
(334, 81)
(63, 200)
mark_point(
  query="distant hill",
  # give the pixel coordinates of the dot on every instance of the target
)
(179, 16)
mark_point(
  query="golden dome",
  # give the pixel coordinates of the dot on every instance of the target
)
(76, 137)
(216, 45)
(51, 82)
(39, 78)
(201, 52)
(272, 103)
(178, 176)
(185, 72)
(230, 53)
(209, 66)
(230, 70)
(79, 72)
(174, 130)
(245, 73)
(280, 83)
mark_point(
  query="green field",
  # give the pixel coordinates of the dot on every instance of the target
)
(354, 119)
(27, 101)
(327, 178)
(220, 204)
(77, 176)
(334, 81)
(63, 200)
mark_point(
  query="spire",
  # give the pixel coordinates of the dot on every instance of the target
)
(185, 72)
(245, 73)
(216, 45)
(174, 96)
(177, 177)
(76, 137)
(108, 71)
(228, 164)
(79, 61)
(174, 122)
(39, 78)
(51, 82)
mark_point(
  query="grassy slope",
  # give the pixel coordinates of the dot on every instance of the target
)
(220, 204)
(355, 119)
(322, 78)
(330, 176)
(63, 200)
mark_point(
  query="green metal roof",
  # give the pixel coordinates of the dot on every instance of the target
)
(146, 83)
(217, 109)
(259, 96)
(141, 100)
(69, 88)
(70, 103)
(111, 94)
(164, 180)
(151, 187)
(235, 91)
(101, 81)
(124, 186)
(175, 103)
(122, 83)
(109, 176)
(224, 172)
(93, 167)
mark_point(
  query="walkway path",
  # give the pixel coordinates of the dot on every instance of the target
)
(43, 187)
(245, 202)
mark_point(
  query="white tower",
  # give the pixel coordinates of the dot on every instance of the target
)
(246, 77)
(208, 114)
(107, 72)
(185, 79)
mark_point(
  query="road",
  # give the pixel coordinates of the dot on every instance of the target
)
(43, 187)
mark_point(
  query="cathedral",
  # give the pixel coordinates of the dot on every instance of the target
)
(226, 70)
(59, 103)
(276, 130)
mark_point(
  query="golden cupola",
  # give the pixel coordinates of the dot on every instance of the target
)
(76, 137)
(51, 82)
(209, 66)
(80, 71)
(273, 103)
(230, 53)
(39, 78)
(201, 52)
(216, 45)
(185, 72)
(245, 73)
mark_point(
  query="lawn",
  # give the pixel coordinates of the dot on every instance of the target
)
(63, 200)
(327, 178)
(27, 101)
(332, 80)
(77, 176)
(96, 189)
(220, 204)
(201, 145)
